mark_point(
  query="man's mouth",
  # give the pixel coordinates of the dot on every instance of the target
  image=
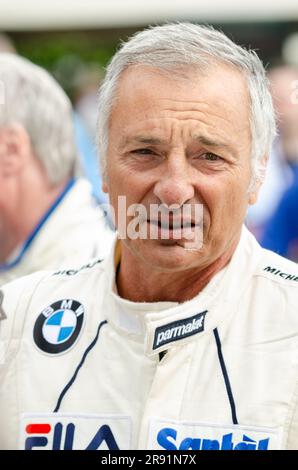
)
(173, 224)
(173, 229)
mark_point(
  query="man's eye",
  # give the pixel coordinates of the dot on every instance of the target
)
(143, 151)
(211, 157)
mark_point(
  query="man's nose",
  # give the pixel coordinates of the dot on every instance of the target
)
(174, 185)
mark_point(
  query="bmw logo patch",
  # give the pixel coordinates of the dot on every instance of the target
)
(58, 326)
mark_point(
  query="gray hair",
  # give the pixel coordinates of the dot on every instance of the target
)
(33, 99)
(171, 46)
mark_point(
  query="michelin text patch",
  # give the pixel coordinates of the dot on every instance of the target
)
(178, 330)
(282, 274)
(73, 272)
(58, 326)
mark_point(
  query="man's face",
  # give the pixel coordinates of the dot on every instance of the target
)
(182, 140)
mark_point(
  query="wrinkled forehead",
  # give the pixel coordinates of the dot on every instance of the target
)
(218, 93)
(216, 82)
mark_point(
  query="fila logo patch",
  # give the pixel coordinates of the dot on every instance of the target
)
(178, 330)
(70, 431)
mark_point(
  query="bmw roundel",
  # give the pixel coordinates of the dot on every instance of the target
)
(58, 326)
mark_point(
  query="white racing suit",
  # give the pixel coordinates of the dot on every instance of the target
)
(72, 231)
(82, 368)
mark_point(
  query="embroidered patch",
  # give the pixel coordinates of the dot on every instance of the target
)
(178, 330)
(175, 435)
(273, 272)
(58, 326)
(73, 272)
(74, 431)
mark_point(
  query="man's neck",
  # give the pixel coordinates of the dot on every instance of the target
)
(31, 207)
(140, 283)
(8, 243)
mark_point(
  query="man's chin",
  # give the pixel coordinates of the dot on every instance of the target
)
(171, 255)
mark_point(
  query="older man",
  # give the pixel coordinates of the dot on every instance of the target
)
(46, 216)
(186, 336)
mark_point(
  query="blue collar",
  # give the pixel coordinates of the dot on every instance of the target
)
(295, 172)
(34, 233)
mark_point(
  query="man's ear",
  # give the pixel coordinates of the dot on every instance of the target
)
(253, 195)
(15, 148)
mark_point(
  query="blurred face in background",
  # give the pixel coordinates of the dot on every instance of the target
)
(20, 173)
(182, 140)
(284, 89)
(8, 191)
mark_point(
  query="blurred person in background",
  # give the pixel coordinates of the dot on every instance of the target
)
(6, 44)
(281, 231)
(81, 81)
(280, 171)
(47, 217)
